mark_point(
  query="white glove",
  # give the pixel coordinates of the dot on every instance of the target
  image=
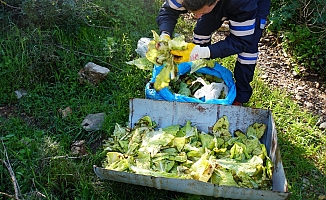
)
(165, 36)
(193, 52)
(199, 52)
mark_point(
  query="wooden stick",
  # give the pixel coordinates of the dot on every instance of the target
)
(12, 173)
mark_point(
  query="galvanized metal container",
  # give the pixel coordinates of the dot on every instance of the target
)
(204, 116)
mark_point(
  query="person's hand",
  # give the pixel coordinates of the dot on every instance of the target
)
(165, 36)
(193, 52)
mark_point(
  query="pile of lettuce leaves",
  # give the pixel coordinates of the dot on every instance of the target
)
(185, 152)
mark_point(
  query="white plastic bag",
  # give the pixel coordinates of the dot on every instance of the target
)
(211, 91)
(142, 46)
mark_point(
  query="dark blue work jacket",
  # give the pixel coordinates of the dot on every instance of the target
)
(244, 17)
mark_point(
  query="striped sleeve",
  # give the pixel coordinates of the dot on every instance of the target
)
(241, 29)
(169, 14)
(241, 36)
(176, 4)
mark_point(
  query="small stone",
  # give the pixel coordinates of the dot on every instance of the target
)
(78, 147)
(322, 197)
(298, 97)
(305, 181)
(20, 93)
(305, 73)
(295, 74)
(275, 64)
(92, 73)
(285, 54)
(93, 122)
(322, 126)
(308, 104)
(320, 120)
(264, 76)
(224, 28)
(65, 112)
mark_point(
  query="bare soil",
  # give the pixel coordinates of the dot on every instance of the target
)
(307, 88)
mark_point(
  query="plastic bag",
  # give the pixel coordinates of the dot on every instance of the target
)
(218, 71)
(211, 91)
(142, 46)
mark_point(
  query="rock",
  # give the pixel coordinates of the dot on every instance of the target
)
(264, 76)
(224, 28)
(92, 73)
(320, 120)
(298, 97)
(20, 93)
(305, 183)
(285, 54)
(295, 74)
(274, 64)
(93, 122)
(305, 73)
(308, 104)
(78, 147)
(65, 112)
(322, 126)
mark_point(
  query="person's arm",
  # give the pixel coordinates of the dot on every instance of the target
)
(242, 22)
(263, 8)
(168, 15)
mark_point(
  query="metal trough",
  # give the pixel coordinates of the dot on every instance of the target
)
(204, 116)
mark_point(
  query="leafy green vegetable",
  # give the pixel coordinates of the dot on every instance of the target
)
(239, 151)
(183, 152)
(184, 90)
(207, 141)
(221, 128)
(158, 53)
(203, 168)
(116, 161)
(179, 143)
(223, 176)
(256, 130)
(173, 129)
(142, 63)
(197, 64)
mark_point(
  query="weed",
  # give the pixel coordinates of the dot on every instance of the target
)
(44, 60)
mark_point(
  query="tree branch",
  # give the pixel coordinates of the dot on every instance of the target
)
(5, 3)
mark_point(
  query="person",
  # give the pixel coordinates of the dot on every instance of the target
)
(247, 19)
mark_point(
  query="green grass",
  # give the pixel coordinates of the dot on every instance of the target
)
(45, 63)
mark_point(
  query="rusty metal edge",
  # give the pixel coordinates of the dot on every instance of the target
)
(189, 186)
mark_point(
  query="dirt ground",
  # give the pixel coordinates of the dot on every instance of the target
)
(307, 88)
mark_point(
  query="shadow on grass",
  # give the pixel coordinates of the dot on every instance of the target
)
(305, 180)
